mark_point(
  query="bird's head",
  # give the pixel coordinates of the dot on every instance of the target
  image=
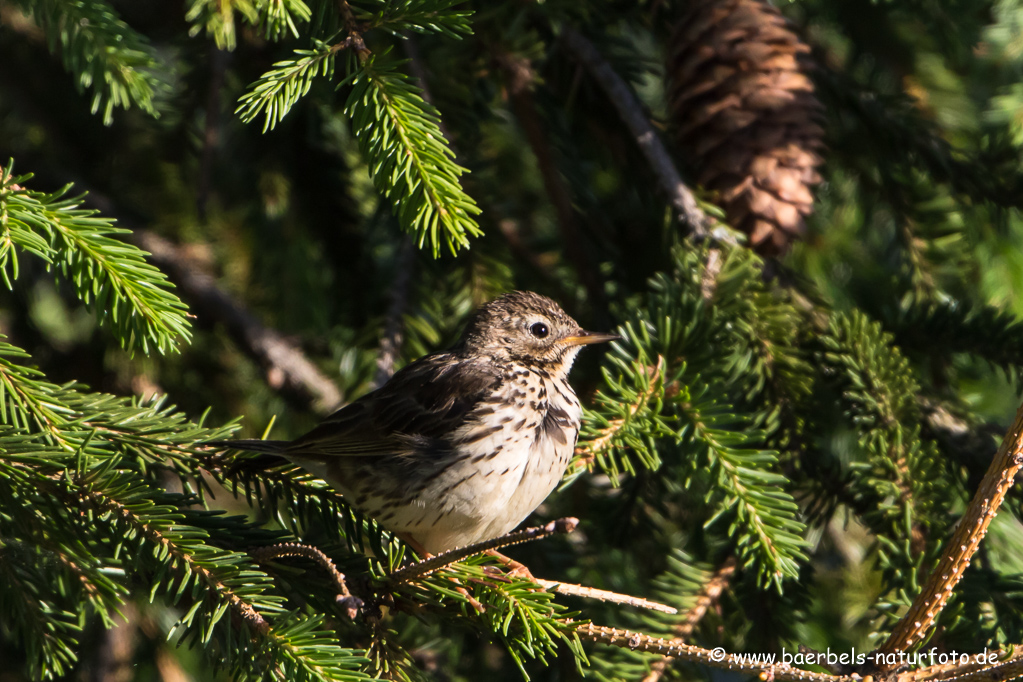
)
(521, 326)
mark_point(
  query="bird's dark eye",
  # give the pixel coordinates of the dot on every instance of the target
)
(539, 330)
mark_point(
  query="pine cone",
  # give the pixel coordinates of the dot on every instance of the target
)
(746, 114)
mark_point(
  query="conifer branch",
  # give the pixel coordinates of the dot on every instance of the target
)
(985, 331)
(72, 419)
(914, 626)
(524, 618)
(411, 162)
(156, 541)
(110, 276)
(25, 403)
(680, 404)
(275, 92)
(620, 95)
(102, 52)
(217, 20)
(879, 391)
(47, 630)
(894, 123)
(164, 540)
(606, 437)
(278, 19)
(278, 90)
(433, 564)
(711, 592)
(419, 16)
(768, 515)
(287, 368)
(299, 501)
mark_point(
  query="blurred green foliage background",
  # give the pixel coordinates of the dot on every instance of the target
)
(918, 211)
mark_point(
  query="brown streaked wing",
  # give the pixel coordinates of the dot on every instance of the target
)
(429, 399)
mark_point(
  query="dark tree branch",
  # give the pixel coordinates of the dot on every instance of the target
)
(287, 368)
(393, 338)
(211, 132)
(113, 658)
(622, 98)
(507, 227)
(519, 78)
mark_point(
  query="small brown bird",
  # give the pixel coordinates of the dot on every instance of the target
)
(462, 445)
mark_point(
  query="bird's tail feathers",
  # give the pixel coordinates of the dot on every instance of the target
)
(266, 447)
(271, 454)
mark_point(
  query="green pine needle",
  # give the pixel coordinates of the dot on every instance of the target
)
(102, 52)
(218, 18)
(111, 277)
(420, 16)
(410, 161)
(654, 403)
(278, 90)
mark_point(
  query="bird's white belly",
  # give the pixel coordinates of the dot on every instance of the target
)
(505, 477)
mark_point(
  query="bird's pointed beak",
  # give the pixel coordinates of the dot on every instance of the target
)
(581, 338)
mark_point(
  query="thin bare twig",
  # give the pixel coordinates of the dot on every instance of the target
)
(708, 597)
(624, 100)
(602, 595)
(917, 622)
(1007, 666)
(565, 525)
(354, 39)
(508, 227)
(351, 604)
(435, 563)
(717, 658)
